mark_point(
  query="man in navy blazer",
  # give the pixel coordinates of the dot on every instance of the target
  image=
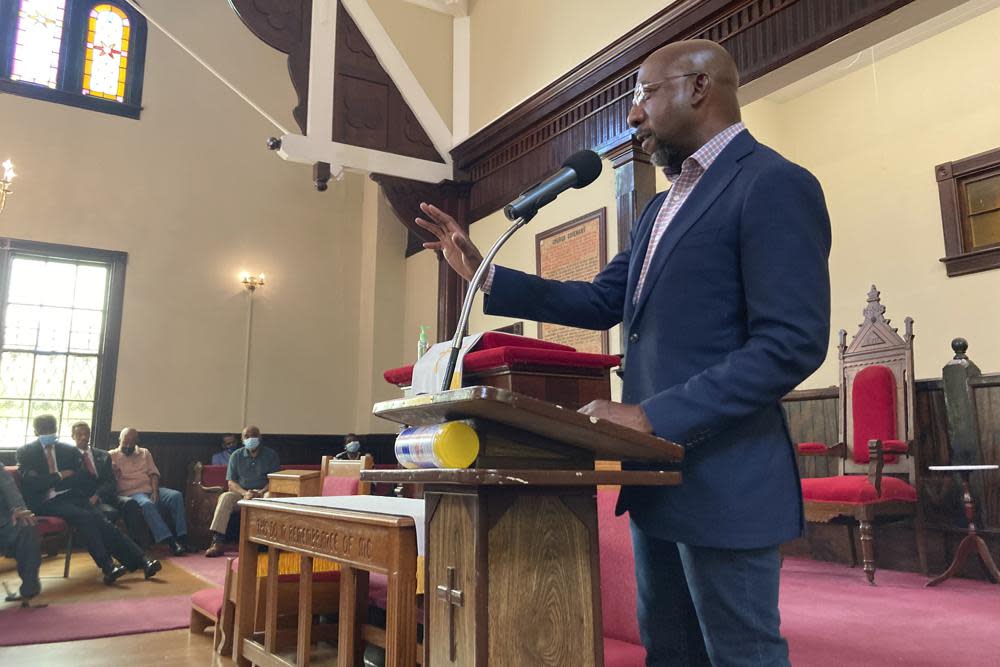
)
(724, 299)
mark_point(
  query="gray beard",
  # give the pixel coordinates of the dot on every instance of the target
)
(666, 158)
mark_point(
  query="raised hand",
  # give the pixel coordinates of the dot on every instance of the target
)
(453, 241)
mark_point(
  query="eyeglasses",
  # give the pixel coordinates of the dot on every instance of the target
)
(642, 89)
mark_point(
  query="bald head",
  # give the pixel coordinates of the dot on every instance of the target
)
(127, 440)
(689, 96)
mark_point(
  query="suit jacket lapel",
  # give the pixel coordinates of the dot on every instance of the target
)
(712, 183)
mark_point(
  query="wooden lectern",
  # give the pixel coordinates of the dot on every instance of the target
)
(512, 565)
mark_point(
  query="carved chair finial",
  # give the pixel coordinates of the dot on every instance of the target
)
(874, 311)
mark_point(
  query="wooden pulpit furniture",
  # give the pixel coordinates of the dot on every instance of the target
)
(361, 542)
(512, 565)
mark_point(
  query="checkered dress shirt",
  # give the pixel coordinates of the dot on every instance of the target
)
(682, 185)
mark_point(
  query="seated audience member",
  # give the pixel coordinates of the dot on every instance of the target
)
(139, 479)
(249, 467)
(18, 537)
(97, 463)
(54, 483)
(352, 448)
(230, 443)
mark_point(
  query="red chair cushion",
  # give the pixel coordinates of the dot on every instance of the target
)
(214, 475)
(340, 486)
(855, 489)
(623, 654)
(812, 447)
(873, 406)
(208, 600)
(513, 357)
(618, 588)
(48, 525)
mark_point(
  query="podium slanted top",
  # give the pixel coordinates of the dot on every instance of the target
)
(604, 439)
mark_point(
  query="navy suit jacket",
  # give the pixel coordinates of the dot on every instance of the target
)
(36, 480)
(734, 313)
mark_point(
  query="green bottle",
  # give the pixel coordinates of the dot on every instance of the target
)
(422, 344)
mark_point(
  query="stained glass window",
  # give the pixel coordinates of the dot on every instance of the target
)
(37, 41)
(53, 328)
(106, 61)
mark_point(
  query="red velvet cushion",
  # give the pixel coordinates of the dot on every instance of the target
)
(897, 446)
(492, 339)
(855, 489)
(340, 486)
(208, 600)
(618, 603)
(623, 654)
(873, 405)
(812, 447)
(46, 525)
(214, 475)
(514, 357)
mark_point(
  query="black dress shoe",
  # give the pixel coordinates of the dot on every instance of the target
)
(176, 548)
(113, 573)
(151, 568)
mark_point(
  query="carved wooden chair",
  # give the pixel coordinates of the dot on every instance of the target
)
(876, 479)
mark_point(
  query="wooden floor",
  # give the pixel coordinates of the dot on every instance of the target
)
(176, 648)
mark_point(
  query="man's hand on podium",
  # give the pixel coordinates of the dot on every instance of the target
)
(630, 416)
(453, 241)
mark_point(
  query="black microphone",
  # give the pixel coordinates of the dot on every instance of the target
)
(578, 170)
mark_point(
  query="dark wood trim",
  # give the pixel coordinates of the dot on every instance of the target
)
(960, 257)
(812, 394)
(588, 106)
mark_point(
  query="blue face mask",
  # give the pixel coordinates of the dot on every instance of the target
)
(47, 439)
(251, 443)
(353, 447)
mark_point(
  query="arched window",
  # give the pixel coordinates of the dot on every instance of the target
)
(85, 53)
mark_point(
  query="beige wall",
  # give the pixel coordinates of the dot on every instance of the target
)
(873, 137)
(520, 46)
(192, 195)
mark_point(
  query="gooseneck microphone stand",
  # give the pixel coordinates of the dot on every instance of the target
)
(470, 296)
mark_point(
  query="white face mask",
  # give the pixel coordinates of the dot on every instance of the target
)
(251, 443)
(353, 447)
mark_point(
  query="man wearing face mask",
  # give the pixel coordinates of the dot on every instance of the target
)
(55, 483)
(247, 478)
(139, 479)
(230, 443)
(352, 448)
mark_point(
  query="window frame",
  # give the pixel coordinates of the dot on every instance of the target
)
(960, 259)
(69, 83)
(107, 359)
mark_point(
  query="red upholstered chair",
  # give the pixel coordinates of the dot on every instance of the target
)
(53, 531)
(876, 477)
(622, 646)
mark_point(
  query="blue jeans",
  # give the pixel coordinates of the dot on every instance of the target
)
(173, 501)
(705, 606)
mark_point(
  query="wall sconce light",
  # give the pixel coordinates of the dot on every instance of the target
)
(6, 180)
(252, 282)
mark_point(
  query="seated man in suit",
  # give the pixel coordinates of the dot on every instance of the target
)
(97, 463)
(230, 443)
(723, 294)
(139, 479)
(18, 537)
(54, 483)
(249, 467)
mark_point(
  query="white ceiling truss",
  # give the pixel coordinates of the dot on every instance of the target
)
(316, 145)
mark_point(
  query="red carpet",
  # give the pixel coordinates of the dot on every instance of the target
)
(833, 618)
(88, 620)
(210, 570)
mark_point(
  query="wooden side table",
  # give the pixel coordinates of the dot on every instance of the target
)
(971, 543)
(294, 483)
